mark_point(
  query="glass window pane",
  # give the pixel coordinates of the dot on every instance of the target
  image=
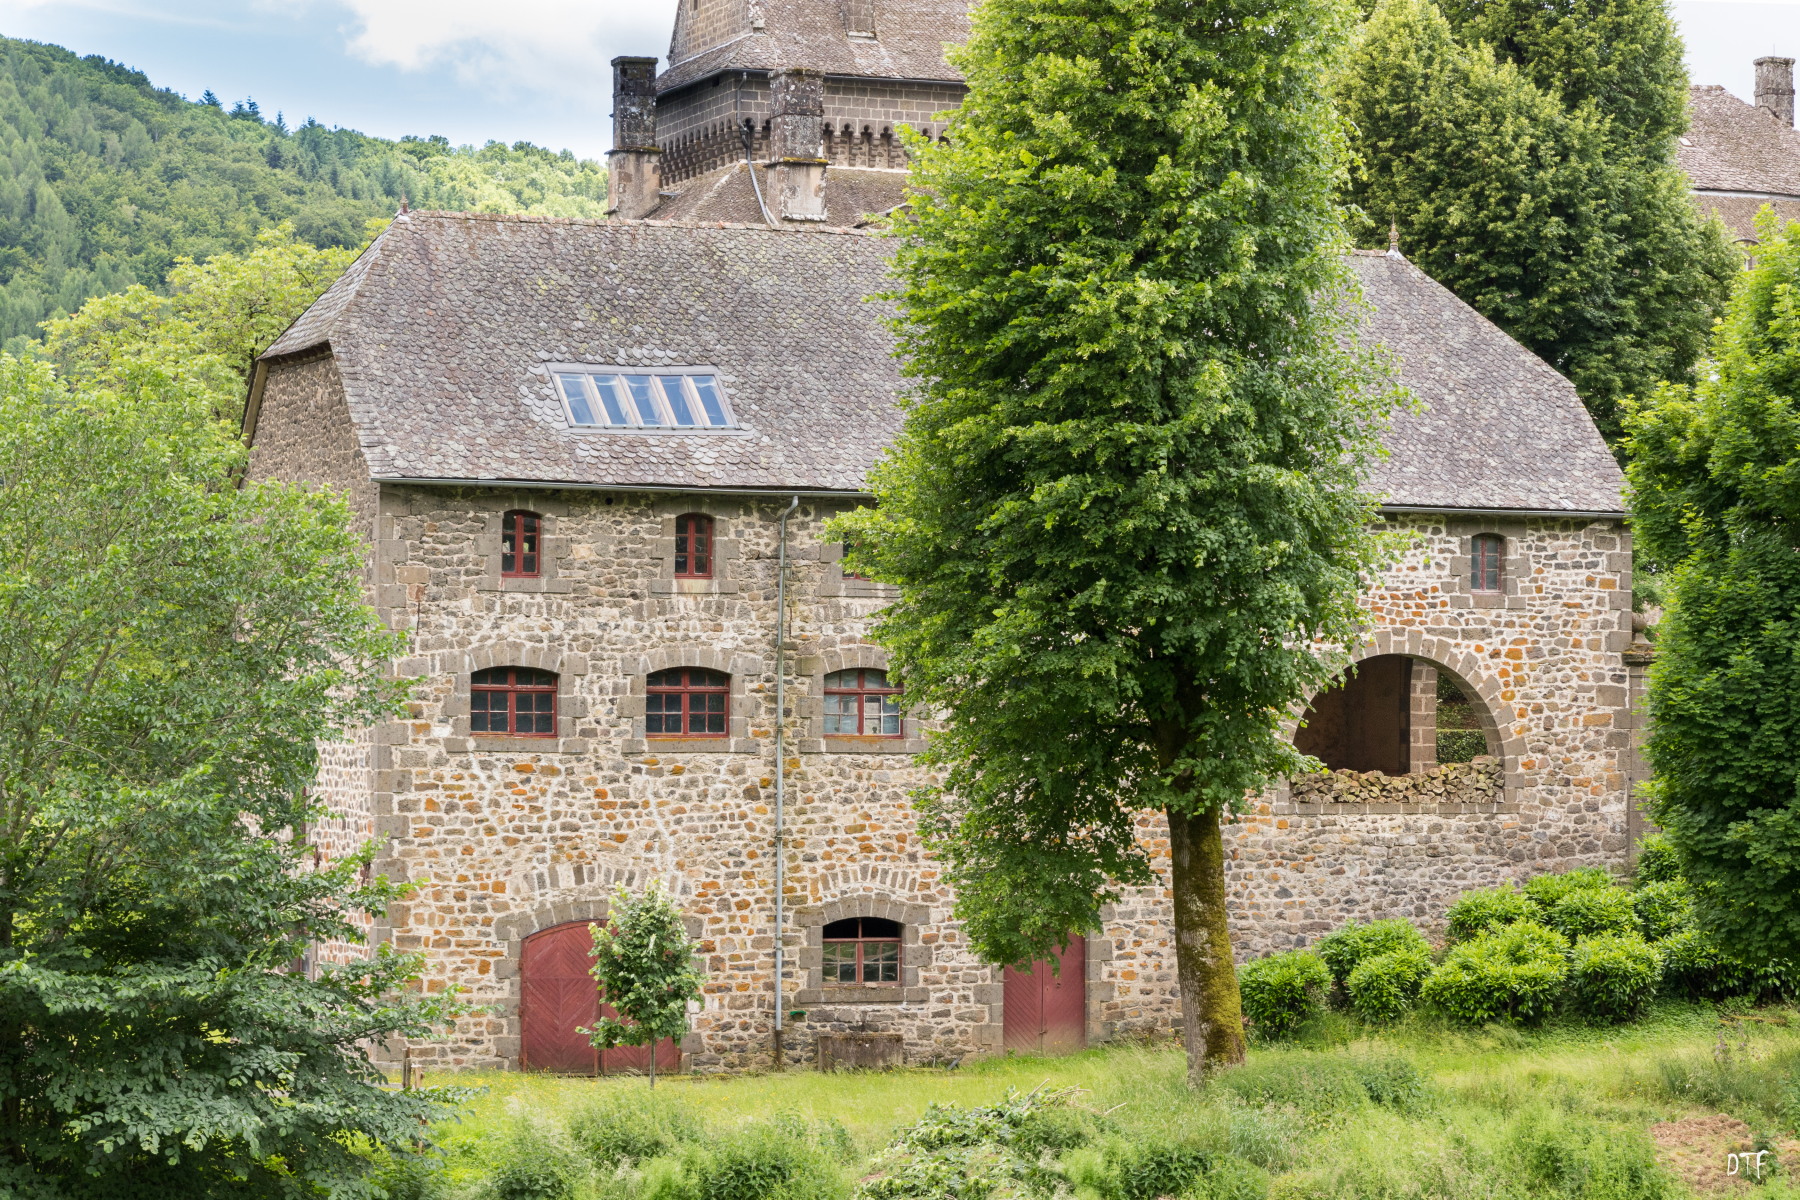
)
(708, 390)
(574, 390)
(677, 398)
(644, 398)
(881, 962)
(841, 679)
(840, 962)
(611, 399)
(840, 716)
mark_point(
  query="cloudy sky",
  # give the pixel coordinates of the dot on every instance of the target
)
(475, 70)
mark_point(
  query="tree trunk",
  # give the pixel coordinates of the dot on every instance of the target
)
(1212, 1016)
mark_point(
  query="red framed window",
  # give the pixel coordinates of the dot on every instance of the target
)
(850, 574)
(861, 703)
(687, 702)
(862, 950)
(1486, 552)
(693, 546)
(513, 701)
(519, 535)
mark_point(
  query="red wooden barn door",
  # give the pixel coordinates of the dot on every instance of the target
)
(1046, 1013)
(557, 996)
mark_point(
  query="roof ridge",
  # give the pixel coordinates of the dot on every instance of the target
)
(606, 222)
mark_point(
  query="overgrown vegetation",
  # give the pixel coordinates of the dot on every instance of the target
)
(108, 180)
(1421, 1110)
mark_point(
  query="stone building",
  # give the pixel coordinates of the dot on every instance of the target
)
(592, 461)
(1741, 157)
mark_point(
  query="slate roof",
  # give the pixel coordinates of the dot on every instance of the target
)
(909, 42)
(852, 194)
(1731, 146)
(442, 329)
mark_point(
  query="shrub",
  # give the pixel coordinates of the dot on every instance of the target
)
(644, 1125)
(1695, 967)
(1384, 987)
(1486, 909)
(527, 1165)
(1513, 972)
(1614, 975)
(1587, 912)
(1663, 908)
(1656, 861)
(763, 1160)
(1282, 990)
(1347, 947)
(980, 1152)
(1548, 889)
(1144, 1169)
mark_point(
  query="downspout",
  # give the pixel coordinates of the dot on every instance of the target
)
(750, 162)
(781, 770)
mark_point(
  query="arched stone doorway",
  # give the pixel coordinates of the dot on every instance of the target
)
(557, 996)
(1398, 715)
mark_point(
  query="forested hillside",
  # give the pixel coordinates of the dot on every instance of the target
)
(106, 180)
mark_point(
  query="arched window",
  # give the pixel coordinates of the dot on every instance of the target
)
(1486, 553)
(861, 703)
(687, 702)
(519, 544)
(513, 701)
(693, 546)
(862, 950)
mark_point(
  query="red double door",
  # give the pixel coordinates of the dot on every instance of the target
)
(1045, 1011)
(557, 996)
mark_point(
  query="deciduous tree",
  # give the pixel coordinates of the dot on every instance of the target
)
(1123, 513)
(1715, 473)
(644, 968)
(173, 647)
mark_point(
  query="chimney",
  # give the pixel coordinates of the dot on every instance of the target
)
(797, 143)
(1775, 87)
(633, 166)
(859, 18)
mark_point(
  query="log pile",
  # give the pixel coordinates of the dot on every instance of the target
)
(1478, 781)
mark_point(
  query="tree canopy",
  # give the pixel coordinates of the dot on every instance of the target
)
(644, 969)
(1123, 512)
(1713, 473)
(175, 644)
(109, 181)
(1528, 161)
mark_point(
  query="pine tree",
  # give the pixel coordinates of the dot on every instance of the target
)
(1560, 218)
(1123, 512)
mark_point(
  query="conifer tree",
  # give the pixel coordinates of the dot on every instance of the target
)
(1124, 510)
(1713, 472)
(1540, 187)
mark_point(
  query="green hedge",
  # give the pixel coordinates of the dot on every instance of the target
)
(1664, 907)
(1487, 909)
(1343, 950)
(1587, 912)
(1283, 990)
(1613, 976)
(1517, 971)
(1386, 986)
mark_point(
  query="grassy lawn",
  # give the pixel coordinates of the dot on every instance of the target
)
(1419, 1110)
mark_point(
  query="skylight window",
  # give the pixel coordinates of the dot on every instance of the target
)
(679, 401)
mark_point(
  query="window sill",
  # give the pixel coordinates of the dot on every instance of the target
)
(534, 585)
(871, 745)
(693, 587)
(715, 745)
(482, 743)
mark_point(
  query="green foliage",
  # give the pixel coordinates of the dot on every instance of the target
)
(1547, 890)
(619, 1128)
(1283, 990)
(644, 968)
(177, 644)
(988, 1153)
(206, 333)
(529, 1165)
(1614, 975)
(1149, 1168)
(1657, 861)
(762, 1160)
(1322, 1085)
(1711, 472)
(110, 181)
(1697, 967)
(1555, 1153)
(1384, 987)
(1344, 948)
(1486, 909)
(1516, 972)
(1562, 219)
(1663, 908)
(1761, 1088)
(1583, 912)
(1124, 512)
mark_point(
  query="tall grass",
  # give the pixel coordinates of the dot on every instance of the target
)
(1415, 1111)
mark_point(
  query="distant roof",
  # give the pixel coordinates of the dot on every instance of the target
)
(443, 328)
(1743, 154)
(726, 194)
(909, 41)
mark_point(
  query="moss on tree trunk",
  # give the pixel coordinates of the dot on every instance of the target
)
(1212, 1015)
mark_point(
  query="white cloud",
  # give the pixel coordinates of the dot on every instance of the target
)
(560, 46)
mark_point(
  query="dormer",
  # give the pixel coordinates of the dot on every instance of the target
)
(859, 18)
